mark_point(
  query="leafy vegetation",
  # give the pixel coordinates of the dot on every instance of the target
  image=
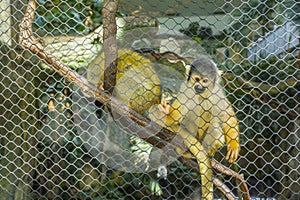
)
(260, 123)
(69, 17)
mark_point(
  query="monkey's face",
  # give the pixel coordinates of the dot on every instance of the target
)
(200, 84)
(201, 76)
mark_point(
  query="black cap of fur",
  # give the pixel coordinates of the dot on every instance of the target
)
(204, 66)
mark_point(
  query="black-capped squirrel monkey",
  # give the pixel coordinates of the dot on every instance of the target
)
(138, 85)
(203, 117)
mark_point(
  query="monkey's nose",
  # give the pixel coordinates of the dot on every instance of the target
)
(199, 89)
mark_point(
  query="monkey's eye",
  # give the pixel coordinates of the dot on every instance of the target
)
(205, 80)
(197, 79)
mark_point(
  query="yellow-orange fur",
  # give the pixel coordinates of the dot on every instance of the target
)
(206, 121)
(137, 86)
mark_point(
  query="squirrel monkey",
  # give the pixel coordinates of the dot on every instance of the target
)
(203, 117)
(138, 85)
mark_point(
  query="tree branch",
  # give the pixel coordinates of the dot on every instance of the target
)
(265, 88)
(109, 13)
(153, 130)
(262, 92)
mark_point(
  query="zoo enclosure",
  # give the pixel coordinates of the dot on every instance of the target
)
(49, 150)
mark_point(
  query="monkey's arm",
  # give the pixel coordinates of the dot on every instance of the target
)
(169, 115)
(166, 115)
(173, 113)
(231, 131)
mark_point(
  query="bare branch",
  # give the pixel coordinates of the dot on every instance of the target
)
(224, 190)
(262, 92)
(109, 12)
(238, 177)
(270, 89)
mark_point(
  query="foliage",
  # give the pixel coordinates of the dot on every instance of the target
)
(73, 16)
(293, 11)
(270, 127)
(194, 30)
(254, 19)
(266, 13)
(60, 17)
(204, 37)
(270, 72)
(261, 123)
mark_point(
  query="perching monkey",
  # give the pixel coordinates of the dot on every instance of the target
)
(203, 117)
(138, 85)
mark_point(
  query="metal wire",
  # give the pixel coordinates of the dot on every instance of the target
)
(58, 143)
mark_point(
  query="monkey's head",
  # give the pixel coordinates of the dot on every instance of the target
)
(202, 75)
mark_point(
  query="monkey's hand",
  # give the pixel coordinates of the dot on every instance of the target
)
(164, 105)
(101, 85)
(233, 149)
(165, 114)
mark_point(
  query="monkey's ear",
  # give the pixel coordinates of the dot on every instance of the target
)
(218, 76)
(188, 72)
(220, 72)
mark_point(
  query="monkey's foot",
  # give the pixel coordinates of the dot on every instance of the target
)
(185, 154)
(162, 171)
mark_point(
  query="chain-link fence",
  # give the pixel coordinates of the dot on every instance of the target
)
(202, 102)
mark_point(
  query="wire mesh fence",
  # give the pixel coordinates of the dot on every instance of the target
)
(205, 103)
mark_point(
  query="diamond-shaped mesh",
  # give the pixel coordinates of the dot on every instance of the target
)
(57, 142)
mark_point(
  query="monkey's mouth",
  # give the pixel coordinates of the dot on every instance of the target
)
(199, 89)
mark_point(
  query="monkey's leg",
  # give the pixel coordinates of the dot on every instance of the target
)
(205, 168)
(213, 140)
